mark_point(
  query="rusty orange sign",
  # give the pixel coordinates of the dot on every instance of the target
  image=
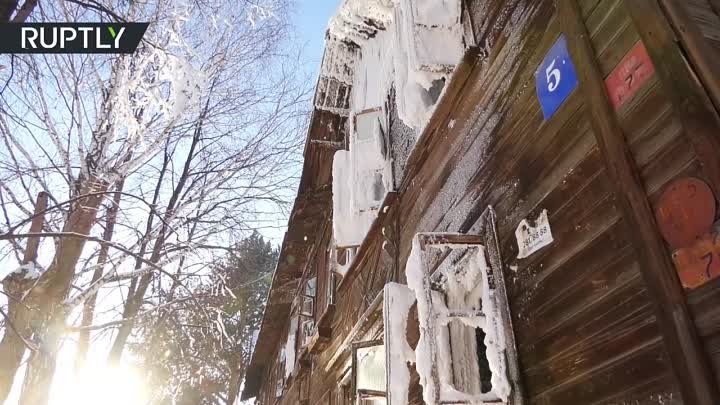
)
(685, 211)
(629, 75)
(699, 263)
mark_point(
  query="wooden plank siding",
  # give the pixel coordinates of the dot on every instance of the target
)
(704, 303)
(581, 313)
(687, 357)
(595, 313)
(697, 26)
(696, 124)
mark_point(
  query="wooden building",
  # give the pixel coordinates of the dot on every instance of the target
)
(531, 203)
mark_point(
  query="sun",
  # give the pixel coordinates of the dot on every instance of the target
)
(99, 384)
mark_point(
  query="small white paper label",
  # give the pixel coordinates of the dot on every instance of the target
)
(531, 238)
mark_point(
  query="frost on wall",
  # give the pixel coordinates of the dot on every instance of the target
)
(289, 350)
(401, 141)
(471, 296)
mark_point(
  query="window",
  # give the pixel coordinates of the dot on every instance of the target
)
(464, 352)
(369, 372)
(280, 374)
(332, 287)
(343, 394)
(362, 177)
(343, 258)
(307, 312)
(371, 368)
(307, 332)
(369, 160)
(307, 305)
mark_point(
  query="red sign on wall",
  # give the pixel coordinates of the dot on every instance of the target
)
(699, 263)
(629, 75)
(685, 211)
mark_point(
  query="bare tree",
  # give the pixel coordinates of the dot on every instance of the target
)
(11, 10)
(190, 141)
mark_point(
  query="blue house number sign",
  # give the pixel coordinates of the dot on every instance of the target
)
(556, 78)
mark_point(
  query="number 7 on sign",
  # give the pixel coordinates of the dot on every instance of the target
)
(555, 78)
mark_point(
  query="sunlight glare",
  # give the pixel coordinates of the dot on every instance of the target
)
(97, 385)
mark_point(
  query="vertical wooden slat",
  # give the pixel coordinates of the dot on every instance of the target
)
(689, 362)
(689, 100)
(702, 55)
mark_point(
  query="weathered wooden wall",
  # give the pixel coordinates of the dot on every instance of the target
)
(589, 317)
(583, 319)
(706, 14)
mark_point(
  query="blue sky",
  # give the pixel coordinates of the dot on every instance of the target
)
(312, 19)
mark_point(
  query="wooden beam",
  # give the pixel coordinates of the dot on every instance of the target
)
(371, 393)
(371, 313)
(367, 343)
(702, 55)
(371, 237)
(680, 85)
(689, 361)
(430, 239)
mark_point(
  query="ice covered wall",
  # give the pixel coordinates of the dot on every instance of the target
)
(429, 43)
(398, 301)
(289, 349)
(410, 45)
(350, 222)
(375, 48)
(373, 72)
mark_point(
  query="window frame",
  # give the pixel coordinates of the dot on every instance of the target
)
(280, 374)
(368, 202)
(358, 393)
(486, 239)
(305, 332)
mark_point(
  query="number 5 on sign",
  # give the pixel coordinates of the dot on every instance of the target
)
(555, 79)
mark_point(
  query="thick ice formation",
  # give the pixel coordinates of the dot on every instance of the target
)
(406, 44)
(373, 47)
(398, 301)
(471, 285)
(290, 347)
